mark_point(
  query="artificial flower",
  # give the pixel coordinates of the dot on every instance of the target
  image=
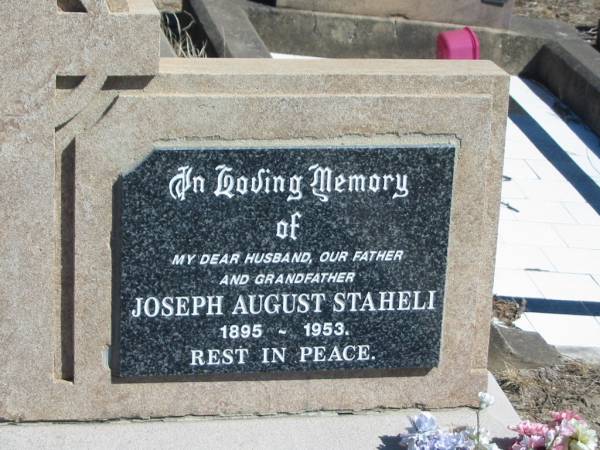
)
(583, 438)
(485, 400)
(559, 416)
(528, 428)
(424, 422)
(566, 431)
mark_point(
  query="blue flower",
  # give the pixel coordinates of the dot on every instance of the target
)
(424, 422)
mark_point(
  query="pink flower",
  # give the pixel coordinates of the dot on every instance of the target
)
(530, 443)
(559, 416)
(565, 428)
(567, 431)
(537, 441)
(527, 428)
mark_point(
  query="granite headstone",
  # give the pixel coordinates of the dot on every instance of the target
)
(270, 259)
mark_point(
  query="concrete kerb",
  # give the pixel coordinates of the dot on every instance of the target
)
(570, 68)
(227, 26)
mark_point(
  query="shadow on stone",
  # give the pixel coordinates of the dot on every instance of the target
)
(503, 443)
(389, 443)
(115, 245)
(67, 261)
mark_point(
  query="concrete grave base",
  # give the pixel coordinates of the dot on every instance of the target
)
(366, 430)
(76, 117)
(224, 102)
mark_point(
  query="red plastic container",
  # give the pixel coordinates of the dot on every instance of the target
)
(458, 44)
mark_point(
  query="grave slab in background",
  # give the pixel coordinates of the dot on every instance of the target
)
(469, 12)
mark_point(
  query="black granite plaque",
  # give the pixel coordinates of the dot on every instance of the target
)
(296, 259)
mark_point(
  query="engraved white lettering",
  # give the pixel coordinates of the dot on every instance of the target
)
(178, 305)
(325, 182)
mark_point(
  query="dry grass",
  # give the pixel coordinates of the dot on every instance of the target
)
(508, 311)
(536, 392)
(178, 30)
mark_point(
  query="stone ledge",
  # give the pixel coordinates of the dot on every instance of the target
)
(570, 68)
(229, 30)
(369, 429)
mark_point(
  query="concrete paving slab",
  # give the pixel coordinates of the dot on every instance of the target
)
(540, 211)
(519, 169)
(563, 330)
(515, 283)
(575, 261)
(583, 214)
(529, 233)
(522, 257)
(580, 236)
(565, 286)
(555, 219)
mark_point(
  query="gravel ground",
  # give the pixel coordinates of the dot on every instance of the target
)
(535, 393)
(575, 12)
(582, 14)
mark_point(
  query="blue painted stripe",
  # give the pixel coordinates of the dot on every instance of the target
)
(554, 153)
(543, 305)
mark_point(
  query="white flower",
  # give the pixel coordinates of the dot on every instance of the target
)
(485, 400)
(424, 422)
(584, 437)
(484, 437)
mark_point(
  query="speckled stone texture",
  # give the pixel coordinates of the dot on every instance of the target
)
(230, 103)
(386, 307)
(40, 42)
(169, 5)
